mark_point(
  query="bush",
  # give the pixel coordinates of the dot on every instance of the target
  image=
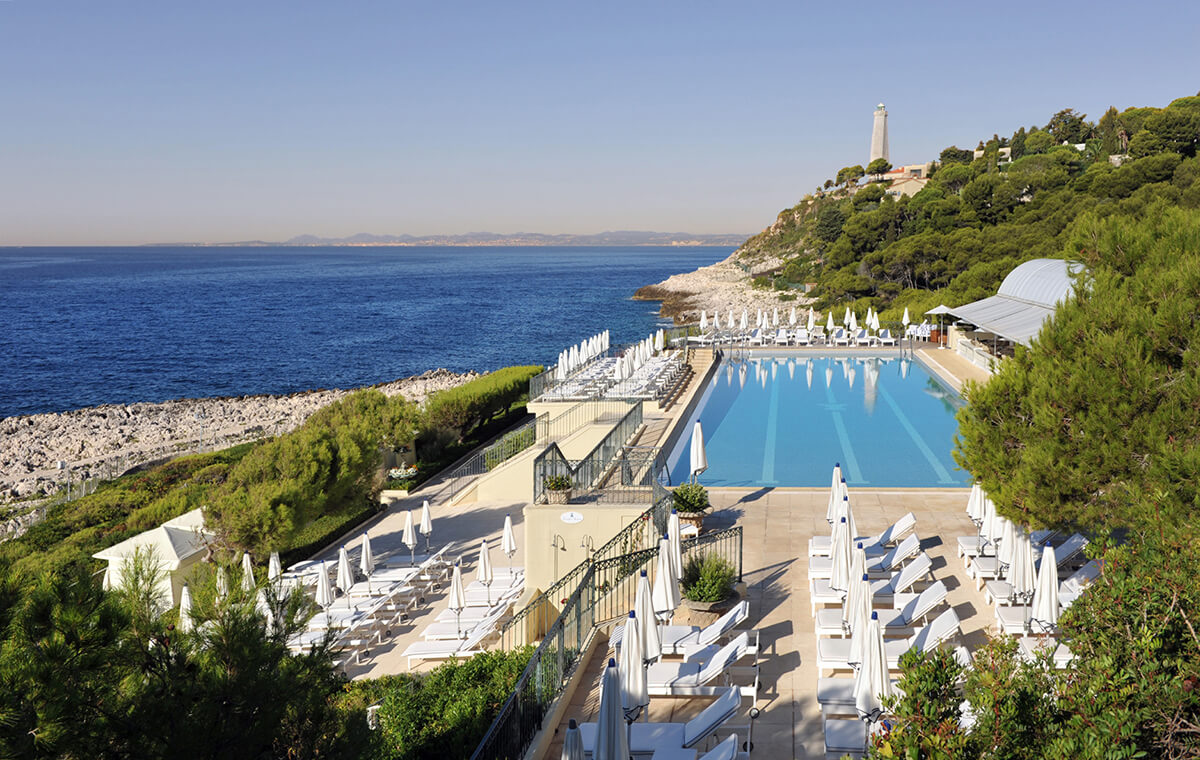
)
(557, 483)
(707, 578)
(690, 498)
(468, 406)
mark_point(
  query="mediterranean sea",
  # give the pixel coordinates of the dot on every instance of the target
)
(87, 326)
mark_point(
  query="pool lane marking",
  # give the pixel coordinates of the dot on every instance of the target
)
(942, 473)
(839, 425)
(768, 468)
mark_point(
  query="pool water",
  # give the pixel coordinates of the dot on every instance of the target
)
(784, 420)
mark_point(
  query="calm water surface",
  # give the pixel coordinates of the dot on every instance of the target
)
(85, 326)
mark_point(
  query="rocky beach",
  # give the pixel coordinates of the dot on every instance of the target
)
(105, 441)
(718, 288)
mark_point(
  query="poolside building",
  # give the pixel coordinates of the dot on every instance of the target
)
(989, 329)
(177, 546)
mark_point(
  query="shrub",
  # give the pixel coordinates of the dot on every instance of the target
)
(690, 498)
(557, 483)
(468, 406)
(707, 578)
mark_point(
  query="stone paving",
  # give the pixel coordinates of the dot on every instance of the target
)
(777, 524)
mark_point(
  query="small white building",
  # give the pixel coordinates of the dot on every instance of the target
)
(177, 546)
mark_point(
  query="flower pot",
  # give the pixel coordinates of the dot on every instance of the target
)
(692, 518)
(558, 497)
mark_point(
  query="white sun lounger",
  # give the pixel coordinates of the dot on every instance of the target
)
(646, 738)
(676, 639)
(840, 338)
(693, 678)
(461, 629)
(451, 649)
(885, 338)
(1032, 647)
(845, 736)
(889, 562)
(834, 654)
(821, 546)
(972, 546)
(893, 622)
(985, 568)
(863, 338)
(835, 696)
(802, 338)
(883, 590)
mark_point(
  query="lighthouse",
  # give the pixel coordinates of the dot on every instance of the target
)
(879, 144)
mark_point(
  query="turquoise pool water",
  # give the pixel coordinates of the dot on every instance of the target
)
(784, 420)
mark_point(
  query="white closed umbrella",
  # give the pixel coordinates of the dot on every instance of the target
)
(857, 605)
(185, 610)
(264, 609)
(905, 319)
(875, 321)
(572, 742)
(664, 596)
(508, 541)
(274, 567)
(730, 322)
(846, 318)
(222, 583)
(840, 546)
(1043, 615)
(745, 319)
(1007, 539)
(792, 317)
(409, 537)
(812, 320)
(703, 321)
(247, 573)
(324, 597)
(829, 326)
(1020, 574)
(991, 527)
(647, 627)
(483, 570)
(845, 511)
(674, 536)
(457, 598)
(835, 494)
(345, 576)
(775, 318)
(612, 735)
(973, 504)
(872, 684)
(635, 696)
(853, 322)
(426, 526)
(366, 559)
(699, 459)
(660, 341)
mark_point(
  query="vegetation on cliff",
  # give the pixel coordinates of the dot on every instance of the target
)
(977, 218)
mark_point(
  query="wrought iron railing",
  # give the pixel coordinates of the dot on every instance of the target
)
(577, 417)
(604, 591)
(586, 473)
(492, 456)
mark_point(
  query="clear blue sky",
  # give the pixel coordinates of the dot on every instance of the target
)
(215, 121)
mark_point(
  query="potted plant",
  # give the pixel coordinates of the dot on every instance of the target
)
(690, 500)
(558, 489)
(707, 581)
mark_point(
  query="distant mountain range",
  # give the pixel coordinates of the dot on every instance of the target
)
(621, 237)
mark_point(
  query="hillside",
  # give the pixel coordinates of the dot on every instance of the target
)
(977, 218)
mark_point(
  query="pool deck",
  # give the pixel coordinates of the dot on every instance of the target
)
(777, 523)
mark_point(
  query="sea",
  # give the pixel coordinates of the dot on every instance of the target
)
(86, 326)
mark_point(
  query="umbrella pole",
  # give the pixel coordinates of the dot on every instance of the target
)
(412, 556)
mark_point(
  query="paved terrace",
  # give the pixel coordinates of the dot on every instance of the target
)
(777, 524)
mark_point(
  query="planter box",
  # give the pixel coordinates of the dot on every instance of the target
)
(558, 497)
(692, 518)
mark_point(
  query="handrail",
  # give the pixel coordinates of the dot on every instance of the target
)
(495, 454)
(601, 595)
(587, 472)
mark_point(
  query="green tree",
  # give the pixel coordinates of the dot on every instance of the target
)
(955, 155)
(829, 223)
(1177, 130)
(879, 166)
(1039, 142)
(1067, 126)
(1108, 398)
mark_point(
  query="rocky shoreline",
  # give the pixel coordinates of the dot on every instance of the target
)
(105, 441)
(717, 288)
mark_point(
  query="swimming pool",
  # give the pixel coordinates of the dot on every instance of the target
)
(784, 420)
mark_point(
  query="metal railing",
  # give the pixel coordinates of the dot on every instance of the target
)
(578, 417)
(604, 592)
(493, 455)
(586, 473)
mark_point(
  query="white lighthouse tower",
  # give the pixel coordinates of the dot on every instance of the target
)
(879, 143)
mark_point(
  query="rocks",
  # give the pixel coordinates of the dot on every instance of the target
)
(105, 441)
(717, 288)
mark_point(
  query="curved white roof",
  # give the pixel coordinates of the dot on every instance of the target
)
(1040, 281)
(1026, 299)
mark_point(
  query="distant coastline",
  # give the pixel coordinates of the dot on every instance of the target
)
(524, 239)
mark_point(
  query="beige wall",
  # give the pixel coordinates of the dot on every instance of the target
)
(543, 522)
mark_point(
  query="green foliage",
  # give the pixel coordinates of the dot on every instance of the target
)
(93, 674)
(443, 713)
(829, 223)
(1108, 399)
(924, 714)
(955, 155)
(1011, 701)
(707, 578)
(1067, 126)
(690, 498)
(879, 166)
(557, 483)
(468, 406)
(509, 445)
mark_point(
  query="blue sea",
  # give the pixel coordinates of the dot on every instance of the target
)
(87, 326)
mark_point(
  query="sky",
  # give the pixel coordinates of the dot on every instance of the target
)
(140, 122)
